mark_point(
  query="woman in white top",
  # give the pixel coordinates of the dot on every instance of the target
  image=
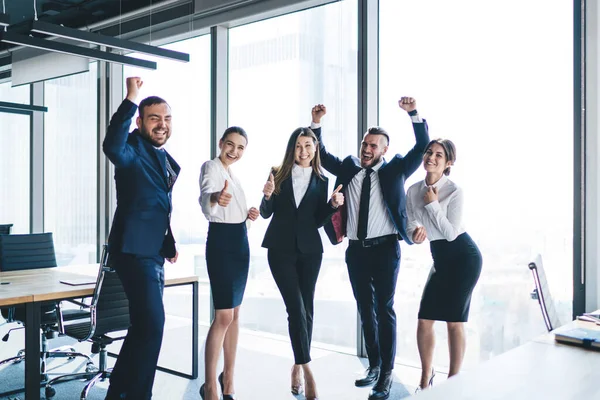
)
(227, 257)
(296, 196)
(435, 208)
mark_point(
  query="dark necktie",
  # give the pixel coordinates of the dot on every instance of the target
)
(171, 175)
(363, 208)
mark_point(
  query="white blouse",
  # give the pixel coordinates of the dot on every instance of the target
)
(442, 219)
(212, 179)
(300, 181)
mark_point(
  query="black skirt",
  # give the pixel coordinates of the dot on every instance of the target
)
(227, 261)
(456, 269)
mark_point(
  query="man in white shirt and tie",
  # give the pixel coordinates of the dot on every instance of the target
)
(376, 220)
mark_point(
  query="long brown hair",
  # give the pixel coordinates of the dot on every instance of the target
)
(284, 171)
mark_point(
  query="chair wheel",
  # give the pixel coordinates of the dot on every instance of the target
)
(50, 392)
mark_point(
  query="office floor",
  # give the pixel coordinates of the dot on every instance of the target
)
(263, 367)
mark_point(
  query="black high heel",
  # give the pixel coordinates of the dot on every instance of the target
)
(225, 396)
(432, 376)
(202, 391)
(419, 389)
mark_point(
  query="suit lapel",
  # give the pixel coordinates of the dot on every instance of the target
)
(288, 190)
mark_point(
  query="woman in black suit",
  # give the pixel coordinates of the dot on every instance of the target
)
(296, 196)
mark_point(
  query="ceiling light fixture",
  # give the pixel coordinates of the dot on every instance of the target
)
(51, 45)
(97, 39)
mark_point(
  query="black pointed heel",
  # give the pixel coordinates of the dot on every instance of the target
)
(225, 396)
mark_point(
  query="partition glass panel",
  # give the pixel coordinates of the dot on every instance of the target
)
(499, 83)
(278, 69)
(186, 88)
(70, 164)
(15, 137)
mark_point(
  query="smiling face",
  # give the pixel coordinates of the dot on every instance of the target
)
(232, 148)
(373, 147)
(305, 151)
(435, 160)
(155, 124)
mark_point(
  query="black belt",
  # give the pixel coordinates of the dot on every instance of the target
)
(374, 241)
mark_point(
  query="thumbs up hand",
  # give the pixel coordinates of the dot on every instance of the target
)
(269, 187)
(224, 198)
(337, 198)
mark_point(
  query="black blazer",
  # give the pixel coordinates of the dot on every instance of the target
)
(297, 228)
(392, 176)
(143, 196)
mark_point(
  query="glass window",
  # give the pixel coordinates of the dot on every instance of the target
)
(15, 161)
(70, 164)
(498, 83)
(278, 70)
(186, 87)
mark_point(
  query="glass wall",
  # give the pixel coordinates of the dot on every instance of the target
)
(499, 84)
(70, 164)
(278, 69)
(15, 161)
(186, 87)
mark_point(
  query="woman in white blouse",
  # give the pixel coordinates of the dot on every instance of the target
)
(435, 208)
(296, 196)
(227, 258)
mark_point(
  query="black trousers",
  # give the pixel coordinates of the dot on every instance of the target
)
(373, 273)
(296, 276)
(143, 280)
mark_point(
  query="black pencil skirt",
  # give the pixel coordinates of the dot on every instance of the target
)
(227, 261)
(456, 269)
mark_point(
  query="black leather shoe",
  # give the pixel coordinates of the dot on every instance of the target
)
(225, 396)
(370, 376)
(381, 390)
(202, 391)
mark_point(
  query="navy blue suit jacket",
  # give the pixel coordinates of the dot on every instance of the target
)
(297, 228)
(141, 224)
(392, 176)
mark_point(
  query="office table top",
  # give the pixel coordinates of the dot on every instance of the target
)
(540, 369)
(18, 287)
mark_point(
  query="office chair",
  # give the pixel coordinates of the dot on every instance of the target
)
(107, 313)
(541, 293)
(32, 251)
(5, 229)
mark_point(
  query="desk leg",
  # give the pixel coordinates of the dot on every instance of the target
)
(32, 351)
(195, 339)
(195, 333)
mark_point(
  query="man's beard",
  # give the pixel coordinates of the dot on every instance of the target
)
(148, 136)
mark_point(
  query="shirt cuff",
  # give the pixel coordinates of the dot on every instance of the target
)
(314, 125)
(416, 119)
(433, 206)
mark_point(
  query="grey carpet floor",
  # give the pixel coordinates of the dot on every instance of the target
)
(262, 369)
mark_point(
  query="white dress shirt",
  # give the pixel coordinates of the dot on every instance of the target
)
(300, 181)
(442, 218)
(380, 223)
(212, 179)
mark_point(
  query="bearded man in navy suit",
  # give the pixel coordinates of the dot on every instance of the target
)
(375, 221)
(140, 238)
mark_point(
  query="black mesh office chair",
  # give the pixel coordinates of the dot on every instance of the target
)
(107, 313)
(5, 229)
(33, 251)
(541, 293)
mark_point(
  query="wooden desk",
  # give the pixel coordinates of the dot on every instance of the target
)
(540, 369)
(33, 288)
